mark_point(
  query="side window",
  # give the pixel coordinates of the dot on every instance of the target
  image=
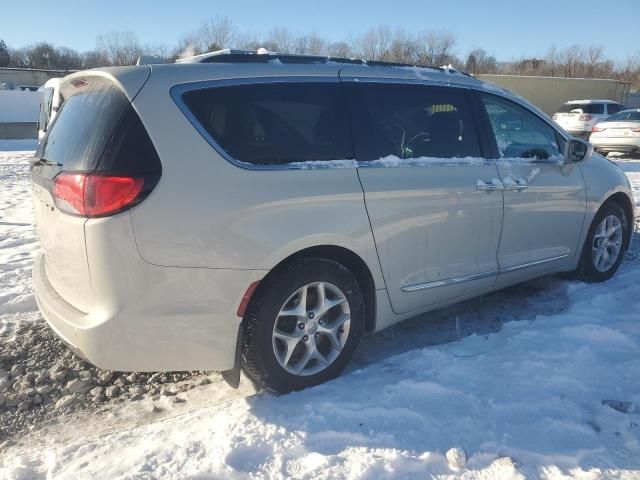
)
(613, 108)
(411, 121)
(275, 123)
(520, 133)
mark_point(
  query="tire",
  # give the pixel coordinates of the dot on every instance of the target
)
(270, 333)
(588, 271)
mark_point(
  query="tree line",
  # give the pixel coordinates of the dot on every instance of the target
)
(377, 43)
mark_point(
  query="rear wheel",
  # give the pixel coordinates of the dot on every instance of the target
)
(304, 326)
(605, 244)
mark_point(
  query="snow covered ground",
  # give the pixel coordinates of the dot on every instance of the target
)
(537, 381)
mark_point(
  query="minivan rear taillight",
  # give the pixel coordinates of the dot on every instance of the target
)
(584, 117)
(96, 194)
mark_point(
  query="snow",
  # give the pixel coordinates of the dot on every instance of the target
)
(536, 381)
(394, 161)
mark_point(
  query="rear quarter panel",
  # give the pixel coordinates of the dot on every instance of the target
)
(208, 212)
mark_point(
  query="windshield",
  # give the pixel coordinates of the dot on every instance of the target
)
(585, 107)
(627, 115)
(83, 126)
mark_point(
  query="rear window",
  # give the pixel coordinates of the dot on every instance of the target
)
(624, 116)
(275, 123)
(76, 139)
(585, 107)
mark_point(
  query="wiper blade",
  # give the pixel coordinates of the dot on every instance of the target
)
(49, 163)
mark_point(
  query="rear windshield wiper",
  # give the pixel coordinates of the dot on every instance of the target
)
(49, 163)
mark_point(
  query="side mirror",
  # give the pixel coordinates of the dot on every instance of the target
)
(577, 150)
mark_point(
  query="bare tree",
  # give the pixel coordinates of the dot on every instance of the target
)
(436, 48)
(215, 34)
(5, 56)
(339, 49)
(373, 44)
(121, 48)
(478, 62)
(95, 59)
(280, 39)
(68, 59)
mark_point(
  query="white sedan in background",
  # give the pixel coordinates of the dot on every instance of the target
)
(618, 133)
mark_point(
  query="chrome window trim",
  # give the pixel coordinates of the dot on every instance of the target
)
(177, 91)
(478, 276)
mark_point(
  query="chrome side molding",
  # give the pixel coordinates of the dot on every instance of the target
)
(478, 276)
(449, 281)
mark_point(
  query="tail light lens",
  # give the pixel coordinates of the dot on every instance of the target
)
(585, 117)
(96, 194)
(636, 130)
(597, 128)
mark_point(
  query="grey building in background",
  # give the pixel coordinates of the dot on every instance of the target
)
(549, 93)
(27, 78)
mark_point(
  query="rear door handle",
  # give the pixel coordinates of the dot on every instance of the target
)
(494, 185)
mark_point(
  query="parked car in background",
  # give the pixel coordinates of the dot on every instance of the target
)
(579, 116)
(51, 102)
(267, 210)
(618, 133)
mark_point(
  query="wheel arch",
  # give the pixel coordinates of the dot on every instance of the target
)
(352, 261)
(627, 205)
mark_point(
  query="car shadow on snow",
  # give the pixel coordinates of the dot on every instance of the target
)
(406, 405)
(480, 316)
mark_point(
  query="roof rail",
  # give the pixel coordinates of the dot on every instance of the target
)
(262, 55)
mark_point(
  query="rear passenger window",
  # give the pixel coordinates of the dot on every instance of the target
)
(411, 121)
(274, 123)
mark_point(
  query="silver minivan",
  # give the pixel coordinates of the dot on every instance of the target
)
(265, 211)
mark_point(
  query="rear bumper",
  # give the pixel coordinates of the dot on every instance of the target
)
(617, 148)
(176, 319)
(616, 145)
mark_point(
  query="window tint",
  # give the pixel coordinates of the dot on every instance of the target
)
(275, 123)
(585, 107)
(624, 115)
(519, 133)
(84, 124)
(411, 121)
(614, 108)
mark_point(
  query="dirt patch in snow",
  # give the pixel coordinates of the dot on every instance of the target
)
(40, 379)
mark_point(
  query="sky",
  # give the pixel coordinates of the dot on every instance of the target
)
(505, 28)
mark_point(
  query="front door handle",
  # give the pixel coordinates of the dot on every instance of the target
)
(515, 185)
(494, 185)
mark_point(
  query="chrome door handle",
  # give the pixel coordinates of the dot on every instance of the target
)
(494, 185)
(515, 185)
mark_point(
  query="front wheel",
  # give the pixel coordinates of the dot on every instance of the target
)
(605, 244)
(304, 326)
